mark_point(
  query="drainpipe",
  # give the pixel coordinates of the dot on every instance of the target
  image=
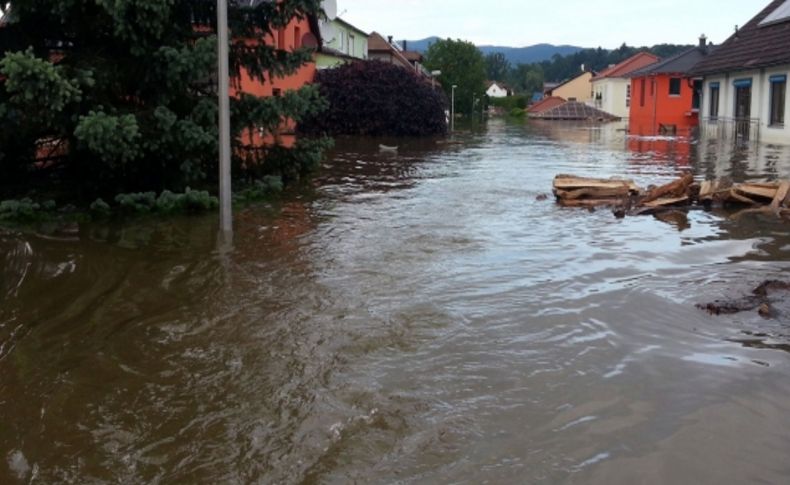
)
(655, 105)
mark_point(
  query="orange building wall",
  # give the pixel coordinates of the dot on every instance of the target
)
(289, 38)
(659, 108)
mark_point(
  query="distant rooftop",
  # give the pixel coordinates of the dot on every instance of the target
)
(682, 63)
(633, 63)
(573, 110)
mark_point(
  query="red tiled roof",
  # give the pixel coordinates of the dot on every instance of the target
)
(753, 47)
(573, 110)
(378, 43)
(633, 63)
(545, 104)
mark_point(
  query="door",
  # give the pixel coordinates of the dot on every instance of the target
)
(743, 109)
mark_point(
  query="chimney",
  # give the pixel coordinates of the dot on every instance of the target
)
(703, 41)
(389, 39)
(405, 45)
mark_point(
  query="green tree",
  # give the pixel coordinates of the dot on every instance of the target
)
(497, 66)
(462, 65)
(127, 87)
(526, 79)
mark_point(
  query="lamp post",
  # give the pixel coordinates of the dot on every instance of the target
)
(223, 81)
(434, 75)
(452, 109)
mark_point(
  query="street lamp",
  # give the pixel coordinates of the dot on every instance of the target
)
(452, 109)
(223, 80)
(434, 75)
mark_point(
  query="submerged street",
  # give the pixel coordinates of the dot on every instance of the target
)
(414, 317)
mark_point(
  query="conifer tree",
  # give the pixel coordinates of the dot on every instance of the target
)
(120, 94)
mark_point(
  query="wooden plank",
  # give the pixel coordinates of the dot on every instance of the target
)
(782, 195)
(667, 202)
(677, 188)
(569, 182)
(593, 193)
(587, 203)
(706, 189)
(755, 190)
(740, 198)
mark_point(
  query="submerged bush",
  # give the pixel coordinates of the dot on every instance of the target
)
(168, 202)
(377, 99)
(260, 190)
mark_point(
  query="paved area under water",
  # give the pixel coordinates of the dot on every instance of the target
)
(417, 317)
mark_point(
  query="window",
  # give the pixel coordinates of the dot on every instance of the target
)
(351, 44)
(277, 92)
(714, 100)
(642, 93)
(281, 39)
(297, 38)
(778, 96)
(675, 86)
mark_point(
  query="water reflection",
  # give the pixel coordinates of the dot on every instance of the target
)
(409, 317)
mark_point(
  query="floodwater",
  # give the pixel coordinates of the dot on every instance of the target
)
(417, 317)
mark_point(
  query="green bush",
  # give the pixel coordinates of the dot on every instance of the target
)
(19, 210)
(510, 103)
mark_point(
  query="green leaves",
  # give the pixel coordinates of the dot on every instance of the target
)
(127, 88)
(114, 139)
(462, 65)
(35, 85)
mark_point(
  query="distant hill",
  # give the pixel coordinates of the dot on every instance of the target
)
(516, 55)
(531, 54)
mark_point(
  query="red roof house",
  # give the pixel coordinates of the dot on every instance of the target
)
(612, 86)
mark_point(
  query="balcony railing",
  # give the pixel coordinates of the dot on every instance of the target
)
(742, 130)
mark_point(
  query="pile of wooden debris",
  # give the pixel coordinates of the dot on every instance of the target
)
(629, 199)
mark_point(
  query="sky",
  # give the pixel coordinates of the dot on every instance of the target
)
(518, 23)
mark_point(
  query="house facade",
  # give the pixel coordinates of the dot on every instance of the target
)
(611, 88)
(745, 80)
(497, 90)
(342, 43)
(666, 97)
(575, 89)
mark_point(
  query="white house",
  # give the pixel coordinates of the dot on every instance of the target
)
(745, 86)
(611, 88)
(497, 90)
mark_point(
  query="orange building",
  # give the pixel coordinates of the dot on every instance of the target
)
(665, 97)
(297, 34)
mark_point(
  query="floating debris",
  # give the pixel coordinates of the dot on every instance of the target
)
(760, 300)
(626, 198)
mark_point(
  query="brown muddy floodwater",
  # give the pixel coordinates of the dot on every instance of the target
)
(414, 318)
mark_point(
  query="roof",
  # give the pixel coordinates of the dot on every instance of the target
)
(376, 42)
(545, 104)
(498, 83)
(754, 46)
(573, 110)
(683, 63)
(350, 26)
(633, 63)
(567, 81)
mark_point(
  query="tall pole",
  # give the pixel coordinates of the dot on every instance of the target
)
(452, 109)
(223, 79)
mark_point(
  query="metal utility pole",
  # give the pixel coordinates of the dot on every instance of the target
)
(223, 80)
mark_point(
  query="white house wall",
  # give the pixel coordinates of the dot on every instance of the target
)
(614, 96)
(761, 101)
(496, 92)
